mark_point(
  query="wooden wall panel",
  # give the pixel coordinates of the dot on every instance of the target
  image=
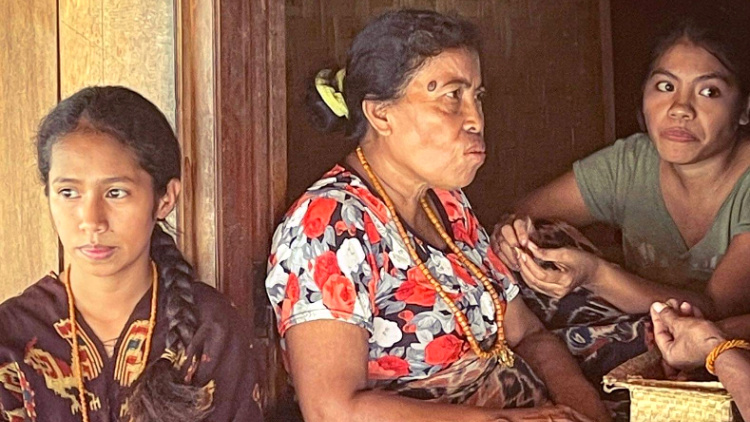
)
(119, 42)
(548, 101)
(196, 125)
(28, 89)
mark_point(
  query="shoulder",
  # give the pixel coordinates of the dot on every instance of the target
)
(341, 190)
(212, 304)
(42, 301)
(41, 297)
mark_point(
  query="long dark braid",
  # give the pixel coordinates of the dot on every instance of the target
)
(159, 394)
(153, 399)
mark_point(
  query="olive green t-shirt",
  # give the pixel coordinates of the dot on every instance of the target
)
(620, 186)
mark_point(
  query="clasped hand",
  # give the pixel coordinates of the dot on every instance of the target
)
(573, 267)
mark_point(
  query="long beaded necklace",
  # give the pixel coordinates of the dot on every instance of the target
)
(500, 348)
(76, 358)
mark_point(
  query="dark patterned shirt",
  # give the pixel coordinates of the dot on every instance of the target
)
(37, 383)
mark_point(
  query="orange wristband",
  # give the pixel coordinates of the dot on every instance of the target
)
(721, 348)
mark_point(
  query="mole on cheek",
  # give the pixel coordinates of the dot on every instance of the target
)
(431, 86)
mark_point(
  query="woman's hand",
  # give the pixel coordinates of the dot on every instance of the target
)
(575, 268)
(556, 413)
(508, 239)
(684, 341)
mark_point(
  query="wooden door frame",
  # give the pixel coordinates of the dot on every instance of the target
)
(231, 118)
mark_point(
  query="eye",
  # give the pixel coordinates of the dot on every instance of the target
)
(665, 86)
(116, 193)
(68, 193)
(481, 95)
(454, 95)
(711, 92)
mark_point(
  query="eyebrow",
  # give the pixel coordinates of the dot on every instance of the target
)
(707, 76)
(108, 180)
(458, 81)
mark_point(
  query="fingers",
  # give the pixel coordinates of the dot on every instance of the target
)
(549, 282)
(663, 316)
(521, 232)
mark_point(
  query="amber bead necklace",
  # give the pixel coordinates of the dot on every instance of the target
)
(76, 358)
(500, 349)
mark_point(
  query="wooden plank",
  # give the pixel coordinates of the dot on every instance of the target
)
(28, 87)
(251, 162)
(196, 108)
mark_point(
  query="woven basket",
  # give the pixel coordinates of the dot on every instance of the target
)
(654, 399)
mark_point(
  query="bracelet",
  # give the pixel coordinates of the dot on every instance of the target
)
(721, 348)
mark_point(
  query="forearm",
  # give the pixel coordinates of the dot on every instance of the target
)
(736, 327)
(733, 369)
(381, 406)
(634, 295)
(561, 375)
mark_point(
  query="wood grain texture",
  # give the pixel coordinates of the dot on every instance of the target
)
(28, 89)
(196, 109)
(119, 42)
(542, 64)
(251, 162)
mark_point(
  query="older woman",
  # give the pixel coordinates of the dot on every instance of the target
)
(380, 274)
(680, 194)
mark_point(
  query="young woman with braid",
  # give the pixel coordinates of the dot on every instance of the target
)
(125, 332)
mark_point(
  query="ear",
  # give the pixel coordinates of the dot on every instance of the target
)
(745, 115)
(376, 114)
(168, 201)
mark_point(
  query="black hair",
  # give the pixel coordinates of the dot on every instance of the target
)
(384, 57)
(718, 30)
(158, 394)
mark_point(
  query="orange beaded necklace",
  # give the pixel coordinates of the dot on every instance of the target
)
(75, 356)
(500, 349)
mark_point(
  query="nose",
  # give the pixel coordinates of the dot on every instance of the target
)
(92, 216)
(682, 109)
(474, 116)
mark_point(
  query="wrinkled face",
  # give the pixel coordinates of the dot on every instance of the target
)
(438, 123)
(692, 105)
(102, 203)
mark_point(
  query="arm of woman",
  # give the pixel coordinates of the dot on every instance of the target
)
(328, 363)
(732, 367)
(561, 199)
(686, 341)
(564, 379)
(725, 294)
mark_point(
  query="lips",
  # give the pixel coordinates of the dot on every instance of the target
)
(97, 252)
(679, 134)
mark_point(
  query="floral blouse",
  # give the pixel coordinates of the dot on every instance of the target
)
(338, 255)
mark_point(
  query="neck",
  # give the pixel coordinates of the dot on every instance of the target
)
(707, 175)
(112, 297)
(402, 186)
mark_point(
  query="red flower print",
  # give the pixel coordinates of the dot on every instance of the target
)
(387, 367)
(318, 216)
(472, 228)
(452, 207)
(326, 265)
(443, 350)
(416, 290)
(373, 203)
(339, 296)
(371, 230)
(337, 169)
(460, 271)
(292, 288)
(291, 297)
(340, 227)
(406, 315)
(459, 232)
